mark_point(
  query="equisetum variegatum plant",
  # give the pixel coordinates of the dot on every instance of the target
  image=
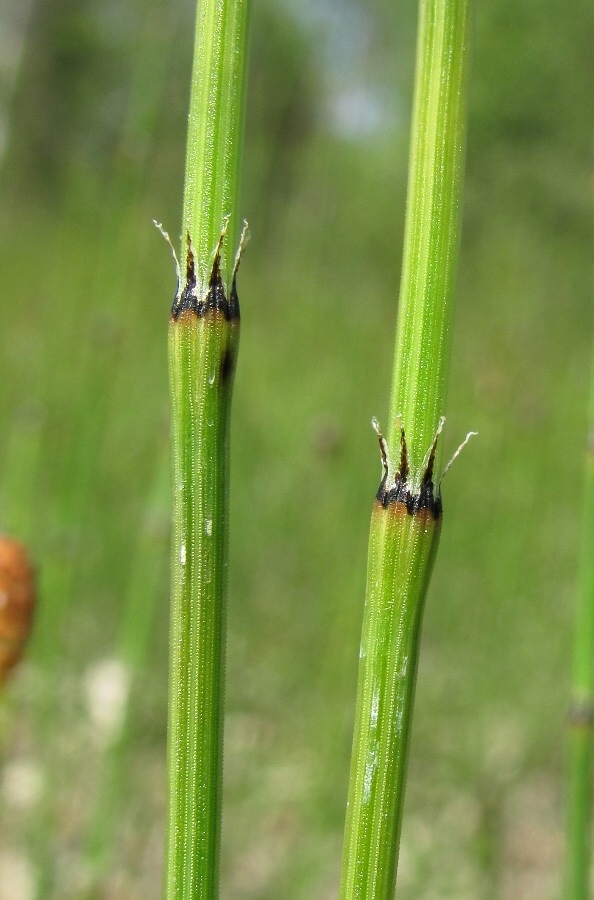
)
(203, 342)
(406, 517)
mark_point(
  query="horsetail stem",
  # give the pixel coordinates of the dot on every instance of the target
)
(432, 228)
(203, 339)
(406, 518)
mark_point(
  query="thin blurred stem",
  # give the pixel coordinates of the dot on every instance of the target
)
(203, 336)
(581, 710)
(64, 574)
(140, 603)
(15, 19)
(406, 517)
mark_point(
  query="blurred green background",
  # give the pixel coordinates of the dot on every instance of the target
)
(93, 103)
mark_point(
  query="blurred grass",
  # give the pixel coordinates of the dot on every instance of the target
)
(95, 127)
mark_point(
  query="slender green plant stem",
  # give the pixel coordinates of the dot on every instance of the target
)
(432, 230)
(581, 709)
(203, 337)
(133, 644)
(215, 134)
(406, 518)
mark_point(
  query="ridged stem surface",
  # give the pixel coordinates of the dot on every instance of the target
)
(203, 337)
(406, 518)
(215, 132)
(432, 229)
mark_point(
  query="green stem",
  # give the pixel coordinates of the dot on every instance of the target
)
(432, 230)
(581, 710)
(406, 517)
(203, 337)
(215, 136)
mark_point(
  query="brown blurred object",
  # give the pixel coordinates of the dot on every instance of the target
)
(17, 603)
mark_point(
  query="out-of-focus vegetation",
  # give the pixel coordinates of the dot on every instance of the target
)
(92, 122)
